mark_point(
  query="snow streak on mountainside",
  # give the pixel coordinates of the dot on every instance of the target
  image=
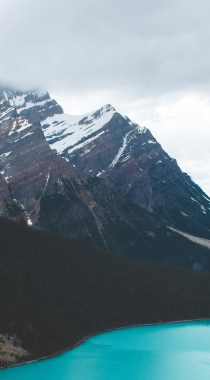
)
(71, 132)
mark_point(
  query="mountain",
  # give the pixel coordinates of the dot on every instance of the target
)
(105, 144)
(99, 178)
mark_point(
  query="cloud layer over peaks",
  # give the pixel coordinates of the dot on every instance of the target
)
(144, 47)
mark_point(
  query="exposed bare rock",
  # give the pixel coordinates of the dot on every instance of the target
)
(26, 160)
(11, 352)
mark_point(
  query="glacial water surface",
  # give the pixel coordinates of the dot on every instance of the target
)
(179, 351)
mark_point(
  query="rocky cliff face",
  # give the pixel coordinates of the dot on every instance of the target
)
(26, 160)
(106, 145)
(98, 177)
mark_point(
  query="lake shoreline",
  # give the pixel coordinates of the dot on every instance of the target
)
(58, 353)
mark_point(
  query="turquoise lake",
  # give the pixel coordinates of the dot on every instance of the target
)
(179, 351)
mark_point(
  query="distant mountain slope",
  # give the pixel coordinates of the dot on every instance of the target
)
(107, 145)
(99, 178)
(55, 291)
(93, 211)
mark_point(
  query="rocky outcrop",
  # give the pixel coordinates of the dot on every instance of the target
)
(26, 160)
(11, 351)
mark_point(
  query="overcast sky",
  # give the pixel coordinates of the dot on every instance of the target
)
(150, 59)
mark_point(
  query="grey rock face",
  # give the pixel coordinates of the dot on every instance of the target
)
(26, 160)
(98, 177)
(114, 148)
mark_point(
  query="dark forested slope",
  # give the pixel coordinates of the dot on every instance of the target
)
(54, 291)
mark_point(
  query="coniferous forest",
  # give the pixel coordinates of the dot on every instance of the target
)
(55, 291)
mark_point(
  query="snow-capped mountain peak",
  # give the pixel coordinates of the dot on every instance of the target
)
(66, 133)
(37, 138)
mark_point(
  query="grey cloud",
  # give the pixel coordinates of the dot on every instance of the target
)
(143, 47)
